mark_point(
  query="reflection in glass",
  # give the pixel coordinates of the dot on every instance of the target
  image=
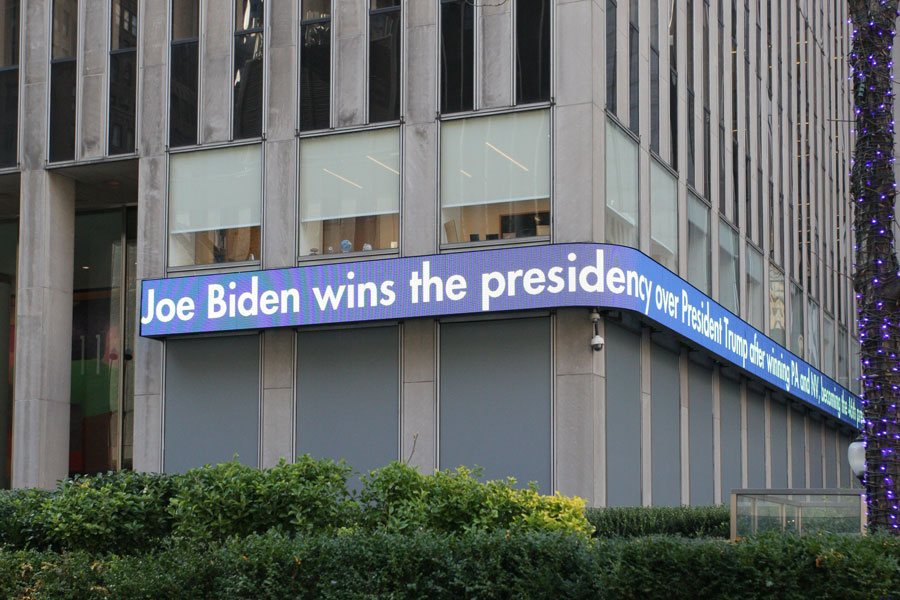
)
(62, 110)
(9, 241)
(185, 19)
(183, 90)
(729, 268)
(215, 199)
(9, 81)
(756, 298)
(532, 51)
(122, 98)
(248, 14)
(248, 85)
(828, 349)
(797, 336)
(813, 354)
(384, 62)
(622, 208)
(103, 278)
(457, 55)
(495, 177)
(777, 330)
(843, 377)
(663, 216)
(9, 33)
(124, 24)
(315, 65)
(65, 29)
(698, 243)
(350, 192)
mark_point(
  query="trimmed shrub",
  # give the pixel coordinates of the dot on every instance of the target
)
(20, 518)
(687, 521)
(398, 498)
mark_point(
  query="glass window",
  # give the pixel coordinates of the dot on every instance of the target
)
(776, 305)
(123, 76)
(384, 60)
(315, 65)
(756, 297)
(611, 90)
(797, 335)
(62, 80)
(9, 234)
(698, 243)
(214, 206)
(350, 192)
(634, 114)
(457, 55)
(248, 69)
(532, 51)
(184, 71)
(495, 177)
(9, 82)
(828, 346)
(843, 370)
(622, 201)
(813, 354)
(663, 216)
(729, 268)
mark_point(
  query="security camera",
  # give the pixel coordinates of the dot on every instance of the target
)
(597, 343)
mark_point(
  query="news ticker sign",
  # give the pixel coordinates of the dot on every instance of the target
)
(533, 277)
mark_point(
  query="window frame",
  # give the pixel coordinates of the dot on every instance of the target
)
(170, 31)
(14, 167)
(225, 267)
(137, 80)
(235, 34)
(485, 244)
(50, 63)
(357, 255)
(332, 63)
(401, 117)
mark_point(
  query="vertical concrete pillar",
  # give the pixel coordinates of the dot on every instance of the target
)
(151, 242)
(216, 46)
(418, 413)
(575, 437)
(92, 102)
(43, 330)
(350, 81)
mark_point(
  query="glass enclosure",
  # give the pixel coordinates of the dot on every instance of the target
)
(812, 511)
(103, 311)
(9, 242)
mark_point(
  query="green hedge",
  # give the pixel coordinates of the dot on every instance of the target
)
(687, 521)
(424, 564)
(131, 512)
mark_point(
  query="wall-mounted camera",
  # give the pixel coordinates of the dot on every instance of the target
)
(597, 340)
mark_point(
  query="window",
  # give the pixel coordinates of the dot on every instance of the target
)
(384, 60)
(843, 371)
(673, 83)
(495, 177)
(654, 76)
(63, 74)
(457, 55)
(215, 205)
(698, 243)
(797, 336)
(532, 51)
(828, 349)
(183, 73)
(123, 76)
(9, 247)
(350, 192)
(248, 69)
(622, 206)
(315, 65)
(663, 216)
(9, 82)
(777, 328)
(813, 346)
(634, 94)
(729, 268)
(611, 62)
(756, 298)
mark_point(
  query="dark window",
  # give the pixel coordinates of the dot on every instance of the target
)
(673, 81)
(654, 76)
(184, 73)
(384, 60)
(458, 55)
(532, 51)
(634, 115)
(315, 64)
(9, 81)
(62, 80)
(123, 76)
(248, 69)
(611, 56)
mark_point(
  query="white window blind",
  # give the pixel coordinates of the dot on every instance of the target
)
(621, 174)
(503, 158)
(350, 175)
(663, 216)
(215, 189)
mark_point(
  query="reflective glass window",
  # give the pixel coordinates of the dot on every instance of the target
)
(123, 76)
(350, 192)
(777, 328)
(384, 60)
(315, 64)
(9, 82)
(797, 334)
(828, 346)
(457, 55)
(9, 242)
(248, 70)
(729, 268)
(756, 295)
(813, 347)
(214, 206)
(698, 243)
(622, 208)
(532, 51)
(663, 216)
(63, 75)
(495, 177)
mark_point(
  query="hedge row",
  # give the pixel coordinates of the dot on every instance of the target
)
(129, 512)
(688, 521)
(424, 564)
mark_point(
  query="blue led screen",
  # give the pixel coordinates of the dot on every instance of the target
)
(534, 277)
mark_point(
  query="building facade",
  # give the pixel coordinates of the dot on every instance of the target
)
(144, 140)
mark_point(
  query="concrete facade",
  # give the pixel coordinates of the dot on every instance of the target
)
(584, 440)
